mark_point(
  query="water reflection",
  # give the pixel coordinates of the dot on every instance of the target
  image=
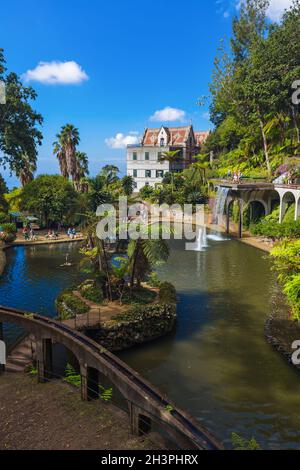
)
(33, 279)
(218, 364)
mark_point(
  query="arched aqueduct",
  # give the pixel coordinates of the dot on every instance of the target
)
(266, 194)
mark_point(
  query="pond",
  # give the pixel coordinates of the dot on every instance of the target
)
(217, 363)
(34, 277)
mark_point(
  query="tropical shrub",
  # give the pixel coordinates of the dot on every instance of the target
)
(68, 305)
(9, 228)
(275, 230)
(4, 217)
(91, 291)
(240, 443)
(72, 377)
(167, 293)
(8, 237)
(153, 279)
(286, 260)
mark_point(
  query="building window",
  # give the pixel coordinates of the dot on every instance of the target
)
(135, 173)
(147, 156)
(159, 155)
(162, 142)
(148, 173)
(147, 184)
(159, 173)
(134, 156)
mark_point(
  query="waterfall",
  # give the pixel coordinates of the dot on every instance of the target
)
(220, 202)
(201, 241)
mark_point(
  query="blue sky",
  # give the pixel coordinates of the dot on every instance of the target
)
(115, 66)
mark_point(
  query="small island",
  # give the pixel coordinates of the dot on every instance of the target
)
(150, 314)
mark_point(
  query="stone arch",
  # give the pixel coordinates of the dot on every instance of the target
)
(297, 208)
(287, 198)
(257, 208)
(61, 356)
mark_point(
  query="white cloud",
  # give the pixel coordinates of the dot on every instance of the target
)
(56, 73)
(226, 14)
(277, 8)
(168, 114)
(120, 141)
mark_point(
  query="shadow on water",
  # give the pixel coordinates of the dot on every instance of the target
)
(218, 364)
(33, 278)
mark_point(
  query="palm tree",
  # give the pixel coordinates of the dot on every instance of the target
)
(65, 149)
(61, 156)
(96, 253)
(172, 156)
(144, 254)
(127, 183)
(110, 173)
(98, 193)
(26, 171)
(82, 170)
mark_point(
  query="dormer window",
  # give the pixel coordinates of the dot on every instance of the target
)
(162, 142)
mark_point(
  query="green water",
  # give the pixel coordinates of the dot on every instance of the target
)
(217, 363)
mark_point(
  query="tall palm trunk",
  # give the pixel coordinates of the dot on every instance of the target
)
(106, 270)
(71, 160)
(135, 258)
(63, 165)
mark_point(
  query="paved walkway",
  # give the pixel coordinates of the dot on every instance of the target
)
(41, 238)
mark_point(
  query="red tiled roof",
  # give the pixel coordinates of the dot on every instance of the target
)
(176, 136)
(201, 137)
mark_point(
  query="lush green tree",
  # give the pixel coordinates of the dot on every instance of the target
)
(26, 172)
(251, 90)
(82, 170)
(110, 174)
(173, 157)
(52, 197)
(127, 183)
(19, 123)
(144, 254)
(3, 190)
(248, 27)
(98, 192)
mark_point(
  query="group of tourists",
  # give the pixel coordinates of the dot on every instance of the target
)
(72, 233)
(236, 176)
(52, 235)
(28, 233)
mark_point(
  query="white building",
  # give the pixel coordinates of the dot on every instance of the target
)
(143, 160)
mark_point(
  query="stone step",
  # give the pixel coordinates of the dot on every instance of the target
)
(20, 356)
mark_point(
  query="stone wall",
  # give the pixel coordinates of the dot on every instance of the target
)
(281, 330)
(148, 322)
